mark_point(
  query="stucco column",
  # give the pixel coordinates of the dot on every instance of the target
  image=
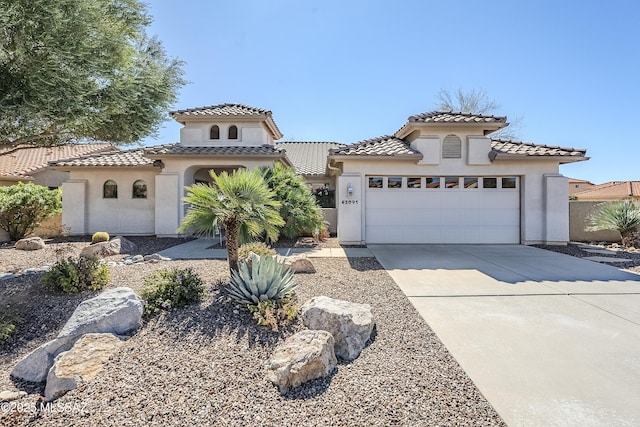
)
(168, 204)
(556, 197)
(350, 207)
(74, 206)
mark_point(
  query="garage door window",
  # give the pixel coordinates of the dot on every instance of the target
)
(510, 182)
(451, 182)
(489, 182)
(471, 183)
(394, 182)
(432, 182)
(375, 182)
(414, 182)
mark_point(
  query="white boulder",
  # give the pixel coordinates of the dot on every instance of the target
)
(30, 244)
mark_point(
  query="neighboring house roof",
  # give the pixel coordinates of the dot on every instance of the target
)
(22, 162)
(614, 190)
(309, 158)
(179, 149)
(237, 111)
(128, 158)
(506, 149)
(579, 181)
(382, 146)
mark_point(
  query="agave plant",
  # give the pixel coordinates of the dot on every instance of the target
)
(261, 279)
(623, 216)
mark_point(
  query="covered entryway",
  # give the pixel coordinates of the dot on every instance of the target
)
(444, 209)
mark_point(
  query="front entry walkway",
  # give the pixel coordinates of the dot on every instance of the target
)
(549, 339)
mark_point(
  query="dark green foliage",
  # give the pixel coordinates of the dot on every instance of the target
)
(258, 248)
(6, 330)
(299, 208)
(73, 275)
(168, 289)
(24, 206)
(72, 70)
(326, 198)
(100, 236)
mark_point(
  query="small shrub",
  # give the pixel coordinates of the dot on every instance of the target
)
(73, 275)
(6, 329)
(100, 236)
(257, 248)
(622, 216)
(260, 279)
(24, 206)
(168, 289)
(275, 314)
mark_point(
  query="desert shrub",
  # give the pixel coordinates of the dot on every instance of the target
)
(258, 248)
(6, 330)
(260, 279)
(100, 236)
(24, 206)
(73, 275)
(622, 216)
(275, 314)
(326, 198)
(168, 289)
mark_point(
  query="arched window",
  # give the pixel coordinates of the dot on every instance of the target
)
(451, 147)
(110, 189)
(139, 189)
(233, 132)
(214, 132)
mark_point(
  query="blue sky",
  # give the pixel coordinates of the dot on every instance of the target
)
(350, 70)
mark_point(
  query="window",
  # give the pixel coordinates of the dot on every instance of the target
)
(375, 182)
(489, 182)
(451, 147)
(110, 190)
(233, 132)
(470, 182)
(214, 132)
(394, 182)
(414, 182)
(432, 182)
(509, 182)
(139, 189)
(451, 182)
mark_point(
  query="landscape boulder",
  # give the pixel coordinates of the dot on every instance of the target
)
(302, 357)
(114, 311)
(80, 364)
(30, 244)
(300, 264)
(9, 395)
(350, 323)
(126, 245)
(101, 250)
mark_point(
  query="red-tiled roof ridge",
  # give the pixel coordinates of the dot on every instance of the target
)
(222, 109)
(460, 115)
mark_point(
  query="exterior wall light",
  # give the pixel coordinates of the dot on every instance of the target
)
(349, 190)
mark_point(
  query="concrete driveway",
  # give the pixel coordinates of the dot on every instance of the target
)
(549, 339)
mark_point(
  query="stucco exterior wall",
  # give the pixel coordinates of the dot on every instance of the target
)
(249, 134)
(86, 211)
(50, 178)
(578, 212)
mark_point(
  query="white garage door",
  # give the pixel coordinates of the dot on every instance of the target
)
(419, 209)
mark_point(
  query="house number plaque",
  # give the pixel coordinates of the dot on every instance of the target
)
(349, 202)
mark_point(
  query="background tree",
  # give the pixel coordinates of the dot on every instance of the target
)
(622, 216)
(478, 102)
(73, 70)
(299, 208)
(24, 206)
(240, 203)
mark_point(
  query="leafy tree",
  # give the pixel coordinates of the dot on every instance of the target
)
(73, 70)
(622, 216)
(241, 203)
(24, 206)
(299, 207)
(478, 102)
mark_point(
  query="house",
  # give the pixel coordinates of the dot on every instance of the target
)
(29, 164)
(609, 191)
(578, 185)
(439, 179)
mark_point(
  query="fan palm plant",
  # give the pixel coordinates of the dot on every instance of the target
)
(240, 203)
(623, 216)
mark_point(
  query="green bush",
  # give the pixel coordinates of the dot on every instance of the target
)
(6, 329)
(168, 289)
(275, 314)
(24, 206)
(73, 275)
(260, 279)
(258, 248)
(100, 236)
(622, 216)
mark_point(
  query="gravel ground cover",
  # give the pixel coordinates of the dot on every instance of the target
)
(203, 365)
(579, 250)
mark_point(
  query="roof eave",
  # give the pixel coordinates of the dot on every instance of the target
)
(16, 178)
(375, 157)
(561, 159)
(64, 168)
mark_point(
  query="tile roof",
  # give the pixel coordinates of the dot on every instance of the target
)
(222, 110)
(444, 116)
(27, 160)
(386, 145)
(128, 158)
(179, 149)
(309, 158)
(614, 190)
(510, 148)
(579, 181)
